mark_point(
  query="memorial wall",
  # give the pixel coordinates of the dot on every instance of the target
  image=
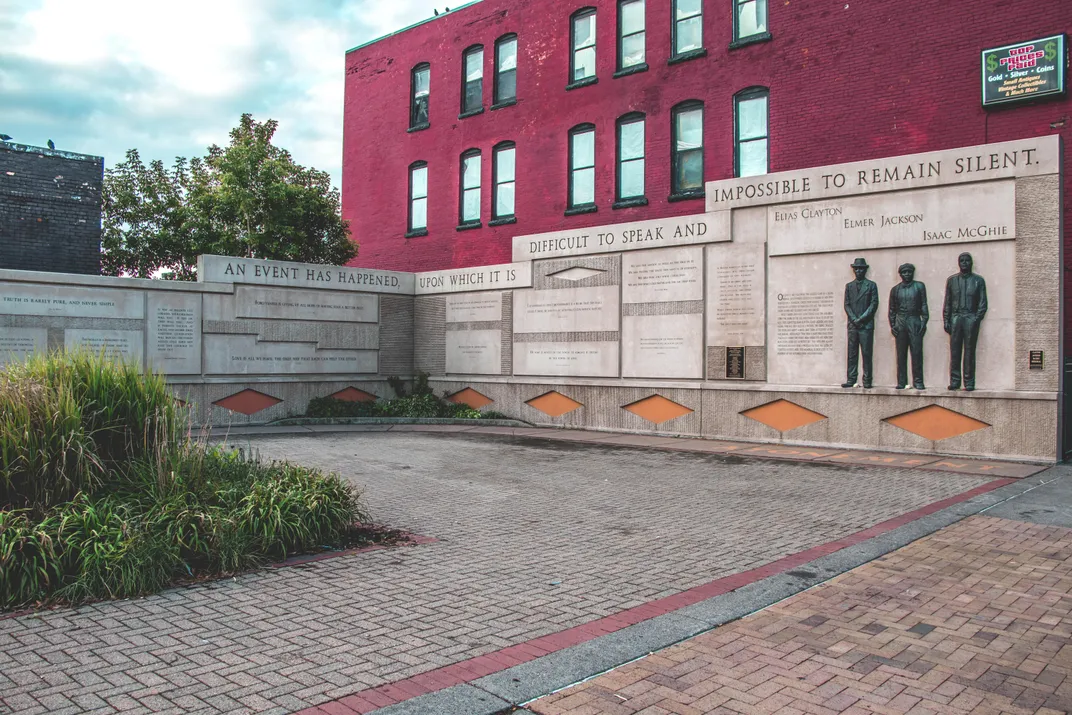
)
(910, 303)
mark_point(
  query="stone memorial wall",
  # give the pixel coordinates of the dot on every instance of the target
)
(939, 272)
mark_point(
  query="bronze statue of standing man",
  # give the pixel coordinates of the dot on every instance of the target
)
(908, 322)
(861, 305)
(965, 308)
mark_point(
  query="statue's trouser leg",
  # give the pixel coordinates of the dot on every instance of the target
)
(902, 351)
(915, 332)
(867, 347)
(971, 339)
(956, 349)
(854, 355)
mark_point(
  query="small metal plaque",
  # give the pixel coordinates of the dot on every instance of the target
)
(1036, 360)
(735, 363)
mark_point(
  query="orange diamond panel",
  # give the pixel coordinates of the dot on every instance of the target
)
(553, 404)
(657, 409)
(352, 394)
(471, 397)
(247, 402)
(783, 415)
(936, 423)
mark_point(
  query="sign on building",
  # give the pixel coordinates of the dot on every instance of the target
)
(1026, 70)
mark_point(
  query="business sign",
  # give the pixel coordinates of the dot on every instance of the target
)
(1026, 70)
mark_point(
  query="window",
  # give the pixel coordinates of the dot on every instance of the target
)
(582, 164)
(419, 88)
(418, 199)
(583, 40)
(751, 151)
(469, 209)
(631, 35)
(687, 170)
(750, 19)
(688, 26)
(503, 177)
(630, 158)
(506, 70)
(473, 80)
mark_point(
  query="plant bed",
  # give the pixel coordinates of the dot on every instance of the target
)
(301, 421)
(103, 495)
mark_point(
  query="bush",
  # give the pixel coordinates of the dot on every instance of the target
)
(420, 402)
(104, 495)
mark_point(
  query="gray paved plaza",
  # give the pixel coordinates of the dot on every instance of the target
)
(533, 537)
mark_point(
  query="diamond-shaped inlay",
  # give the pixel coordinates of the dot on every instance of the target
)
(576, 273)
(470, 397)
(936, 423)
(657, 409)
(352, 394)
(783, 415)
(247, 402)
(553, 404)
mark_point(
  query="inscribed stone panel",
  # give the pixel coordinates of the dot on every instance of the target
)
(474, 307)
(736, 292)
(290, 304)
(579, 359)
(662, 346)
(566, 310)
(474, 352)
(663, 276)
(173, 332)
(70, 301)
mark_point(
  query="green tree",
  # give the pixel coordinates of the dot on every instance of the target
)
(247, 199)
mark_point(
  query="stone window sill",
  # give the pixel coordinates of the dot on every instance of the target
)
(469, 226)
(582, 83)
(472, 113)
(635, 69)
(417, 234)
(585, 209)
(503, 104)
(418, 128)
(630, 203)
(686, 195)
(505, 220)
(686, 56)
(751, 40)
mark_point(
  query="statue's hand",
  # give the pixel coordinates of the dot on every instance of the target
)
(948, 328)
(923, 329)
(893, 332)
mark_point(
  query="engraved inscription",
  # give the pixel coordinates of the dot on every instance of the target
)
(805, 323)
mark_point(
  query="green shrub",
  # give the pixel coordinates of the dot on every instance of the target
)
(330, 407)
(29, 566)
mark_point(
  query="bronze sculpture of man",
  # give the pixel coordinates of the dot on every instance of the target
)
(908, 322)
(965, 308)
(861, 304)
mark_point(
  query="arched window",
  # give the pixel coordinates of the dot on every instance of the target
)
(687, 28)
(505, 70)
(749, 20)
(473, 80)
(687, 151)
(582, 168)
(469, 190)
(583, 44)
(630, 174)
(420, 86)
(631, 35)
(417, 224)
(751, 147)
(503, 178)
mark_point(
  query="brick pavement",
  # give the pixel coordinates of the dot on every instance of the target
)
(974, 618)
(533, 538)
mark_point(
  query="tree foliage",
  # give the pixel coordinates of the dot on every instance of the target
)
(246, 199)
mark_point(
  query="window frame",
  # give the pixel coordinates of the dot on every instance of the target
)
(622, 70)
(415, 126)
(572, 208)
(477, 222)
(412, 232)
(496, 100)
(584, 81)
(471, 50)
(496, 219)
(676, 192)
(700, 51)
(738, 40)
(641, 199)
(744, 95)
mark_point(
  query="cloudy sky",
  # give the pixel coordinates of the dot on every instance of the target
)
(170, 78)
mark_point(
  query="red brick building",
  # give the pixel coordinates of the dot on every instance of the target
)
(847, 80)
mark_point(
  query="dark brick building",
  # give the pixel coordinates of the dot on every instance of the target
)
(844, 81)
(50, 210)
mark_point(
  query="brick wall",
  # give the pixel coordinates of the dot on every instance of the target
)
(848, 80)
(50, 210)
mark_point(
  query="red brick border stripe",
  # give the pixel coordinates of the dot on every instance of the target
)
(466, 671)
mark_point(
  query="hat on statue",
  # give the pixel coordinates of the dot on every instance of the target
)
(860, 263)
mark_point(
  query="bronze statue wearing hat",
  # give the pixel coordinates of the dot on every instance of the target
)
(861, 305)
(908, 323)
(965, 308)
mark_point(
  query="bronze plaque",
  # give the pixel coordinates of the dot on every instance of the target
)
(1036, 360)
(735, 363)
